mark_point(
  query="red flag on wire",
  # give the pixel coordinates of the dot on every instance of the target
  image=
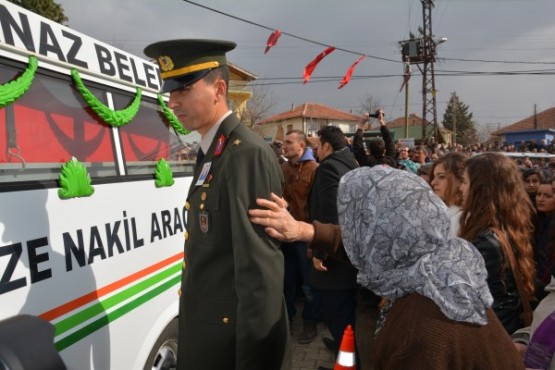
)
(272, 40)
(312, 65)
(349, 73)
(406, 76)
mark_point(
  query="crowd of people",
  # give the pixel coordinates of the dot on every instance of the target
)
(458, 242)
(458, 247)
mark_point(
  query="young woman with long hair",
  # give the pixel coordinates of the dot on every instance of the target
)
(446, 178)
(496, 219)
(544, 234)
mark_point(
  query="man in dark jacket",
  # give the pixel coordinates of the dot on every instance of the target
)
(379, 151)
(334, 279)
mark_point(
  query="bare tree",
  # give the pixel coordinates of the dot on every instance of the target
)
(259, 106)
(369, 104)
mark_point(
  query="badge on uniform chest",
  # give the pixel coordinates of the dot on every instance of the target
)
(204, 221)
(204, 173)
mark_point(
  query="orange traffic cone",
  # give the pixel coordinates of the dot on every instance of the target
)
(346, 356)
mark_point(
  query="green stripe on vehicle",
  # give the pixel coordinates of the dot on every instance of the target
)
(102, 306)
(114, 315)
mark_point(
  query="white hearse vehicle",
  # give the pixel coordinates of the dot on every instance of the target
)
(92, 190)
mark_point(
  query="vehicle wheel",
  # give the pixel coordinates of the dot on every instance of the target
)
(164, 353)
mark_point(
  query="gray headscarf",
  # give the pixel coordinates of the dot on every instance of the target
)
(395, 231)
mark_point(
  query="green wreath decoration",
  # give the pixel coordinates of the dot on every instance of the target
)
(163, 174)
(15, 89)
(116, 118)
(75, 180)
(172, 119)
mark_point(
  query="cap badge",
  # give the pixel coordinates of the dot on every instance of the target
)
(166, 63)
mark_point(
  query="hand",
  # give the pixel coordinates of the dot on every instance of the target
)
(278, 222)
(319, 264)
(380, 117)
(362, 121)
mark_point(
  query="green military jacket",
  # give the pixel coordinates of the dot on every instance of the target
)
(232, 312)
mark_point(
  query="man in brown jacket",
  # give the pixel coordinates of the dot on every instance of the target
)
(298, 173)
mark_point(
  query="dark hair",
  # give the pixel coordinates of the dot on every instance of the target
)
(425, 169)
(423, 148)
(533, 171)
(376, 147)
(301, 135)
(218, 73)
(333, 136)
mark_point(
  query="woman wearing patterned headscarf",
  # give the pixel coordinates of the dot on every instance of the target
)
(395, 232)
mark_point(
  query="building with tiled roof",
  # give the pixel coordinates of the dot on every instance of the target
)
(414, 129)
(308, 117)
(537, 127)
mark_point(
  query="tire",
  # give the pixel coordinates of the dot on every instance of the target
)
(163, 355)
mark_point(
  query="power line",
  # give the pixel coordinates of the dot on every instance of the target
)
(274, 81)
(493, 61)
(289, 34)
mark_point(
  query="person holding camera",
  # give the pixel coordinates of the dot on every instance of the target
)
(379, 151)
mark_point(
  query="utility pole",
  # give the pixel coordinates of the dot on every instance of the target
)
(406, 82)
(429, 128)
(422, 52)
(455, 125)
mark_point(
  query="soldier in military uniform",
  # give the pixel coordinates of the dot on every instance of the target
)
(232, 313)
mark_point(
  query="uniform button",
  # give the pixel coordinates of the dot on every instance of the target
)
(186, 235)
(187, 206)
(184, 264)
(225, 320)
(179, 292)
(203, 196)
(202, 206)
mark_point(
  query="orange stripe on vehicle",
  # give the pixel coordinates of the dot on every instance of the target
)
(94, 295)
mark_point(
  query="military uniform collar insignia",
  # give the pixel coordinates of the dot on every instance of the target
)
(219, 146)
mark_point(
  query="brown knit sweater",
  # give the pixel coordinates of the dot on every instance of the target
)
(417, 335)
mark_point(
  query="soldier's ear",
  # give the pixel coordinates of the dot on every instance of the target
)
(221, 88)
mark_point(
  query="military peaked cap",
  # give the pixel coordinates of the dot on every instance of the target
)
(183, 62)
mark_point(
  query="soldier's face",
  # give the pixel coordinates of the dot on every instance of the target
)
(195, 105)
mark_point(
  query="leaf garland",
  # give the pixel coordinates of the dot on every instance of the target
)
(116, 118)
(172, 119)
(15, 89)
(75, 180)
(163, 174)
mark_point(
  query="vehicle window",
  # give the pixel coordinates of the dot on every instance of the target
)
(48, 126)
(149, 137)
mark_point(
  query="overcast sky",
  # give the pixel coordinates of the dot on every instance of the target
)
(488, 30)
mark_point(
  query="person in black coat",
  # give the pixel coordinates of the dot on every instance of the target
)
(379, 151)
(334, 279)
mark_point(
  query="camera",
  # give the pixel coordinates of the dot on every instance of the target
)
(375, 115)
